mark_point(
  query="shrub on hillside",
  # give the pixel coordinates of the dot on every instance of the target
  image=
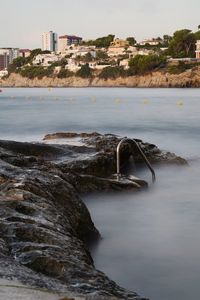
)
(142, 64)
(36, 72)
(64, 73)
(84, 72)
(17, 64)
(178, 69)
(112, 72)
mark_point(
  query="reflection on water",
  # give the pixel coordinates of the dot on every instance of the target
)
(151, 239)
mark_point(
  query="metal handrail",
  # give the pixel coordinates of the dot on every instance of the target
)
(140, 152)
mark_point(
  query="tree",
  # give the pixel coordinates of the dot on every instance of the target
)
(182, 44)
(178, 69)
(102, 42)
(166, 39)
(36, 71)
(87, 57)
(132, 41)
(60, 63)
(112, 72)
(198, 27)
(141, 64)
(35, 52)
(64, 73)
(197, 35)
(85, 71)
(100, 55)
(17, 64)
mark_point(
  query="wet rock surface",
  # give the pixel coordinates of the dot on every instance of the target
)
(44, 225)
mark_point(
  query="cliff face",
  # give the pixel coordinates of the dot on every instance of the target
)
(190, 78)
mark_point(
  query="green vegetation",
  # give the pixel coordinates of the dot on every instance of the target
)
(87, 58)
(102, 41)
(181, 67)
(36, 72)
(60, 63)
(112, 72)
(182, 44)
(34, 53)
(197, 35)
(84, 72)
(64, 73)
(142, 64)
(166, 40)
(20, 62)
(17, 64)
(132, 41)
(101, 55)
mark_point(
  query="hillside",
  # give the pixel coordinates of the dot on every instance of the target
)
(189, 78)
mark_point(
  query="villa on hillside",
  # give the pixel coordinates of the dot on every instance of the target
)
(24, 52)
(152, 42)
(46, 60)
(117, 47)
(119, 43)
(198, 49)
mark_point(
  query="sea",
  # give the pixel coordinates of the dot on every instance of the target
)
(150, 240)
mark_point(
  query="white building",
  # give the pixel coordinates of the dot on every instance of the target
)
(46, 60)
(24, 53)
(72, 65)
(198, 49)
(124, 63)
(116, 51)
(84, 51)
(3, 73)
(49, 41)
(152, 42)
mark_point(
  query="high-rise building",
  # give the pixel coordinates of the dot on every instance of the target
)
(4, 61)
(49, 41)
(67, 40)
(12, 53)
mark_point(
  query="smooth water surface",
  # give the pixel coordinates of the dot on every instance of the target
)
(150, 240)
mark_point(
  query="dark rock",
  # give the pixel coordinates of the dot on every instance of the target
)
(44, 225)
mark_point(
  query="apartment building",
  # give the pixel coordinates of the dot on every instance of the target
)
(12, 53)
(4, 61)
(67, 40)
(49, 41)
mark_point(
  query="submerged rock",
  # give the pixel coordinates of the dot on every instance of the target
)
(44, 225)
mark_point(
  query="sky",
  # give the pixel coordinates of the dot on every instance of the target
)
(22, 22)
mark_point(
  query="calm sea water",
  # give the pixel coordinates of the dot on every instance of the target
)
(150, 240)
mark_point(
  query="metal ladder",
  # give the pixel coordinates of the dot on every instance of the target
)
(141, 154)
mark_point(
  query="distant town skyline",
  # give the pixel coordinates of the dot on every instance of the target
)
(24, 21)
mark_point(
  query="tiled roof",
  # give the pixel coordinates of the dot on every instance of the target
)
(24, 50)
(71, 37)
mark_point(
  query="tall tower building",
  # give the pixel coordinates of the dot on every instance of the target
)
(49, 41)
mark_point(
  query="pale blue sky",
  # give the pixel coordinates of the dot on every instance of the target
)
(22, 22)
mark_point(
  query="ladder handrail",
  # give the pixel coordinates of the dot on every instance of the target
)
(140, 152)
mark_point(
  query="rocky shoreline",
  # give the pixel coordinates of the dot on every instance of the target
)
(45, 227)
(189, 78)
